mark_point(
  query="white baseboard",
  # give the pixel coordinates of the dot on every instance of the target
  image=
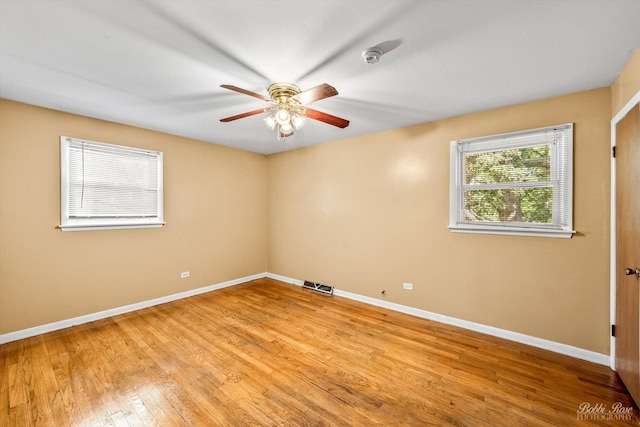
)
(285, 279)
(579, 353)
(568, 350)
(50, 327)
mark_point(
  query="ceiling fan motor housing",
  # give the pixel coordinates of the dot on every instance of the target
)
(283, 91)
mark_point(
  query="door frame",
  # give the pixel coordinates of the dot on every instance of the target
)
(612, 268)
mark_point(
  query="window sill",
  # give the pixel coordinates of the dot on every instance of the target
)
(512, 231)
(93, 227)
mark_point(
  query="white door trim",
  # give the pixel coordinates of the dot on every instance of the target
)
(612, 269)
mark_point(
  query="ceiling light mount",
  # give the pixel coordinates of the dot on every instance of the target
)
(283, 91)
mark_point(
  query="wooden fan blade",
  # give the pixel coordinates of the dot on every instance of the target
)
(315, 94)
(327, 118)
(243, 115)
(246, 92)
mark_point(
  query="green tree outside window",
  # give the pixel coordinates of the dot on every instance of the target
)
(530, 203)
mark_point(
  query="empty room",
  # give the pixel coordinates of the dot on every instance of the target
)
(321, 212)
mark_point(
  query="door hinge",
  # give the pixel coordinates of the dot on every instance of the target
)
(613, 330)
(613, 151)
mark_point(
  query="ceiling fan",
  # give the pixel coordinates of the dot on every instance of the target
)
(288, 107)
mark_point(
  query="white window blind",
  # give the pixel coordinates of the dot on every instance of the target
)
(109, 186)
(515, 183)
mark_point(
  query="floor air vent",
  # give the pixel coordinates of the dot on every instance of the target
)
(325, 289)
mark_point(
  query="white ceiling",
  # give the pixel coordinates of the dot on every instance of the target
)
(158, 64)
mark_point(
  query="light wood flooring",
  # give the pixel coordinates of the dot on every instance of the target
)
(268, 353)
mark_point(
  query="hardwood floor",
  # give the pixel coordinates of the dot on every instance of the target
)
(268, 353)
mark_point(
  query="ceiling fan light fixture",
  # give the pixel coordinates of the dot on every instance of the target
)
(282, 116)
(284, 132)
(270, 121)
(286, 129)
(297, 120)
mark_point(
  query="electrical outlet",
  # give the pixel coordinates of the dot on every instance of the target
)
(407, 286)
(184, 274)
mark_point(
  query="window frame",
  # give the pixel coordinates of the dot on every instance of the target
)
(561, 193)
(71, 223)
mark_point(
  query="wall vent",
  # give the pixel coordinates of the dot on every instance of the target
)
(320, 287)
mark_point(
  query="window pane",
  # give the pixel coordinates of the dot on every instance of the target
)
(528, 205)
(109, 186)
(517, 183)
(530, 164)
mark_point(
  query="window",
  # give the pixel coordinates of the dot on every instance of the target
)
(109, 186)
(515, 183)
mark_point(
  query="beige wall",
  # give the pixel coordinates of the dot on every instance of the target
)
(369, 213)
(215, 209)
(627, 84)
(363, 214)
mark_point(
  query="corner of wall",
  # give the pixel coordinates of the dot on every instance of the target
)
(627, 84)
